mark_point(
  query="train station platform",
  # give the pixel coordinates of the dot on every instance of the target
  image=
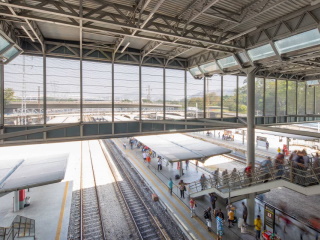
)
(274, 198)
(194, 227)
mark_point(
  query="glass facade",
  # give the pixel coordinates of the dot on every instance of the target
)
(310, 100)
(195, 103)
(301, 107)
(213, 97)
(63, 90)
(242, 105)
(23, 91)
(227, 62)
(292, 98)
(270, 94)
(225, 96)
(229, 96)
(126, 92)
(175, 98)
(97, 91)
(152, 93)
(281, 97)
(262, 52)
(259, 85)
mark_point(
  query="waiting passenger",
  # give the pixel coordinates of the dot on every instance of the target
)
(207, 217)
(225, 177)
(248, 173)
(203, 180)
(279, 165)
(182, 188)
(266, 166)
(219, 226)
(216, 177)
(234, 177)
(193, 205)
(316, 165)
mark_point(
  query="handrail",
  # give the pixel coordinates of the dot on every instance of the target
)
(237, 180)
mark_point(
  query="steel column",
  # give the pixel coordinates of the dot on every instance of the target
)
(296, 99)
(185, 94)
(221, 98)
(264, 97)
(204, 97)
(276, 100)
(314, 101)
(112, 90)
(81, 73)
(140, 92)
(251, 136)
(44, 59)
(287, 84)
(1, 96)
(164, 95)
(237, 97)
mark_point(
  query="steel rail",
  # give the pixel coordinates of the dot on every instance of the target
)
(128, 178)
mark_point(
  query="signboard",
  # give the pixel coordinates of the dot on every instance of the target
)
(269, 218)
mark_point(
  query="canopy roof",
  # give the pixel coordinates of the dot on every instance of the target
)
(21, 174)
(179, 147)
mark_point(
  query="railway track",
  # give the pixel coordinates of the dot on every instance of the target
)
(147, 225)
(90, 215)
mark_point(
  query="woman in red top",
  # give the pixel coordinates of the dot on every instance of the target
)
(248, 172)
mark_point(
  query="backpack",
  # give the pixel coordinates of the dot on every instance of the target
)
(206, 215)
(300, 160)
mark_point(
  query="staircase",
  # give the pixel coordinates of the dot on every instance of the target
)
(237, 184)
(21, 228)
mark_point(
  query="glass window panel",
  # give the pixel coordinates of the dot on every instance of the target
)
(3, 43)
(126, 92)
(194, 97)
(301, 98)
(229, 96)
(23, 91)
(317, 102)
(213, 97)
(152, 93)
(175, 94)
(242, 107)
(270, 103)
(209, 67)
(281, 97)
(261, 52)
(63, 90)
(10, 53)
(259, 82)
(299, 41)
(292, 101)
(97, 91)
(227, 62)
(310, 100)
(195, 71)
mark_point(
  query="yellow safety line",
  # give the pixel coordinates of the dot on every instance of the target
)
(171, 203)
(58, 233)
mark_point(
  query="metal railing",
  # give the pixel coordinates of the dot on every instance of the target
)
(20, 227)
(292, 172)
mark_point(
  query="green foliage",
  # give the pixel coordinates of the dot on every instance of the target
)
(8, 95)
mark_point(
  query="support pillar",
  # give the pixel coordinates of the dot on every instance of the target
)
(16, 201)
(181, 169)
(251, 135)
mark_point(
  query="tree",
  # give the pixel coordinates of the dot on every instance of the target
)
(8, 95)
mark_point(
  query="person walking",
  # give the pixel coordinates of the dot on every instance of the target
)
(257, 227)
(213, 200)
(216, 177)
(187, 164)
(144, 156)
(193, 205)
(124, 145)
(230, 217)
(207, 217)
(170, 185)
(248, 172)
(219, 221)
(244, 213)
(159, 164)
(182, 188)
(203, 180)
(266, 166)
(267, 145)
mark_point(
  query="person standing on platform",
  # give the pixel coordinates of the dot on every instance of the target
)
(182, 188)
(267, 145)
(124, 145)
(187, 164)
(144, 156)
(203, 180)
(170, 185)
(159, 164)
(279, 150)
(266, 166)
(244, 213)
(220, 221)
(213, 200)
(257, 227)
(148, 159)
(193, 205)
(216, 177)
(248, 172)
(207, 217)
(230, 217)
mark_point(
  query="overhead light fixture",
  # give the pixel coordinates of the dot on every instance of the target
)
(29, 35)
(125, 47)
(239, 35)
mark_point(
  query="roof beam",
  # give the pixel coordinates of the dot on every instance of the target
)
(102, 21)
